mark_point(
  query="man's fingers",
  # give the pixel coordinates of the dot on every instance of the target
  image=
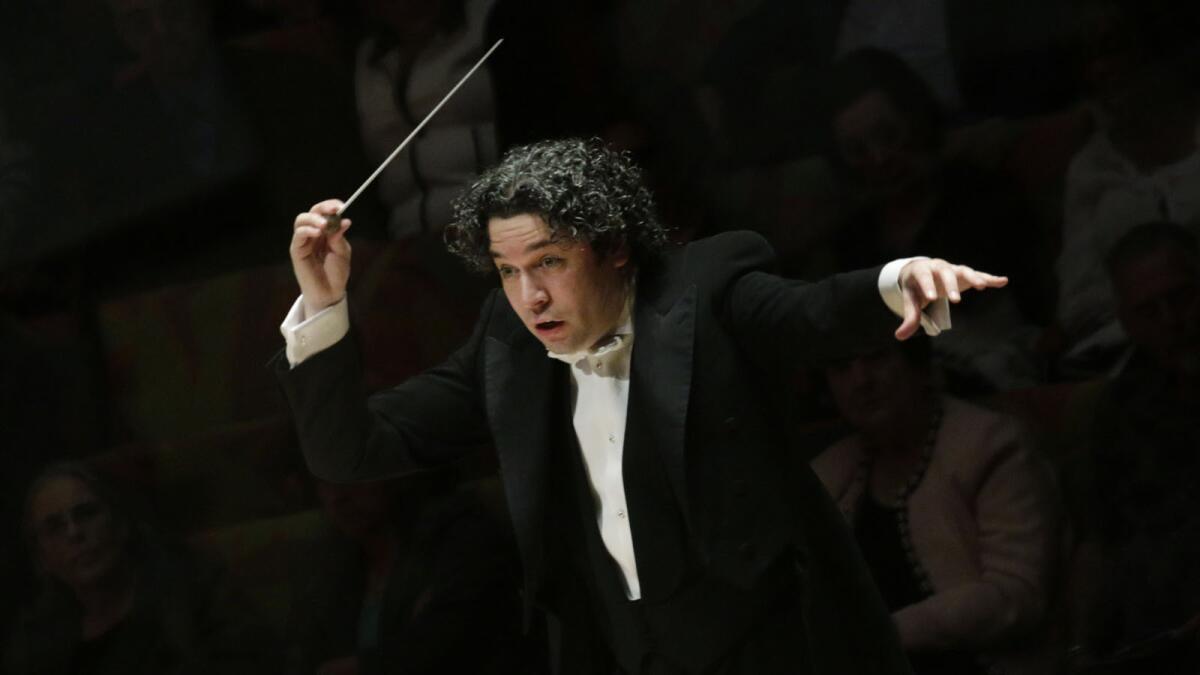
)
(309, 218)
(326, 207)
(309, 226)
(991, 281)
(304, 236)
(337, 240)
(924, 279)
(949, 283)
(912, 316)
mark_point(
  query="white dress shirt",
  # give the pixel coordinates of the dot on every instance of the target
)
(599, 402)
(600, 397)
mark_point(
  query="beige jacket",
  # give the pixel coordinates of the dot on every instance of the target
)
(984, 525)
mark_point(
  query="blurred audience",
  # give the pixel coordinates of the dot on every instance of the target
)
(1142, 163)
(1135, 493)
(956, 516)
(116, 599)
(415, 52)
(981, 59)
(143, 117)
(171, 115)
(906, 198)
(411, 579)
(17, 182)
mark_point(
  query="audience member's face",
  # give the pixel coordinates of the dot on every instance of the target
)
(877, 143)
(877, 391)
(1158, 302)
(78, 540)
(565, 295)
(357, 509)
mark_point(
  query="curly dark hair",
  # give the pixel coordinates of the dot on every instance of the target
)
(583, 190)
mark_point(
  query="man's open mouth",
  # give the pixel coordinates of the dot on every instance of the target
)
(548, 325)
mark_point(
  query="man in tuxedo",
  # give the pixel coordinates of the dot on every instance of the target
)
(636, 400)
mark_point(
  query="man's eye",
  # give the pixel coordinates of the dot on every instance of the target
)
(551, 261)
(507, 272)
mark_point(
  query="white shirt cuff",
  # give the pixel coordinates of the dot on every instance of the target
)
(307, 336)
(936, 316)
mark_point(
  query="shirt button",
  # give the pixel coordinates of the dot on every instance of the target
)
(612, 438)
(620, 514)
(303, 340)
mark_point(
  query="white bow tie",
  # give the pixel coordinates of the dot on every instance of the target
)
(602, 358)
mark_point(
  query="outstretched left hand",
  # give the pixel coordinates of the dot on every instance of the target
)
(925, 280)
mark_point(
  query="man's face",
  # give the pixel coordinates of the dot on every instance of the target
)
(1158, 303)
(78, 541)
(564, 293)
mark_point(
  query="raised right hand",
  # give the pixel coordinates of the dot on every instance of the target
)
(320, 259)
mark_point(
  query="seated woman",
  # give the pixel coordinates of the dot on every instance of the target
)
(956, 517)
(115, 599)
(411, 578)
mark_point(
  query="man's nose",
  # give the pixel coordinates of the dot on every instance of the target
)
(533, 295)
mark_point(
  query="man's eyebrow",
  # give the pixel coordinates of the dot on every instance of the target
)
(540, 244)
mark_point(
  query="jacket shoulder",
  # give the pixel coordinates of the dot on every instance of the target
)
(739, 250)
(712, 263)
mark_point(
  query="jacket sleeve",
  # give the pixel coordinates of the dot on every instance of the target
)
(790, 321)
(1016, 511)
(429, 420)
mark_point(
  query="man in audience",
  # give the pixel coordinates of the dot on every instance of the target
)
(886, 132)
(1136, 491)
(1142, 162)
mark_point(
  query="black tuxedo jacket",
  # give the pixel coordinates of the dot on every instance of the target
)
(716, 338)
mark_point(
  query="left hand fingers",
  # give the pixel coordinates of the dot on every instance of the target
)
(953, 279)
(949, 278)
(930, 279)
(912, 316)
(982, 280)
(923, 276)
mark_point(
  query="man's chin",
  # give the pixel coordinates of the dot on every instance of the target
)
(560, 348)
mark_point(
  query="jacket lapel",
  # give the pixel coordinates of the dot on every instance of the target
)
(660, 383)
(520, 400)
